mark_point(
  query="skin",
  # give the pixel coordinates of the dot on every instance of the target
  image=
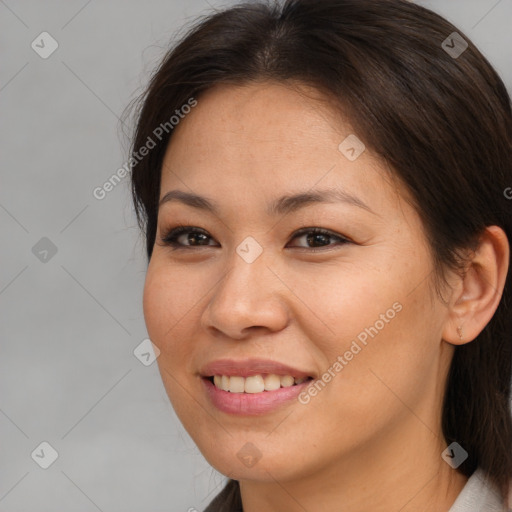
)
(371, 439)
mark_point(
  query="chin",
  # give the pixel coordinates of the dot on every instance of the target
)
(238, 458)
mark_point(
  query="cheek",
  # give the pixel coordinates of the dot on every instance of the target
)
(154, 313)
(385, 329)
(172, 301)
(167, 297)
(342, 301)
(396, 361)
(161, 305)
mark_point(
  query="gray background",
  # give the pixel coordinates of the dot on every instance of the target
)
(69, 324)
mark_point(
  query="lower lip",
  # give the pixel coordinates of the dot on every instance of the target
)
(251, 403)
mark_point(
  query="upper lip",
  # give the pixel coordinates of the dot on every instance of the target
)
(248, 367)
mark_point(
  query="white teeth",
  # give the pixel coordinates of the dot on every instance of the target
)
(287, 381)
(272, 382)
(224, 383)
(236, 384)
(255, 383)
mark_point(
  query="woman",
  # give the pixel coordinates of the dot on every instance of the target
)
(323, 192)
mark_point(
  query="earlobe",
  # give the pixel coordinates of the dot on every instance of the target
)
(480, 289)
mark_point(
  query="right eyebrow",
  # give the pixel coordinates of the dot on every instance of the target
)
(193, 200)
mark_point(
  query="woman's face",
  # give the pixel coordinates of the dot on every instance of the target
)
(250, 297)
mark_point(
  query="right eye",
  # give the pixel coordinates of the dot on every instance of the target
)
(177, 237)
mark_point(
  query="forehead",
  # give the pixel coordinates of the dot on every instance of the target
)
(265, 138)
(259, 114)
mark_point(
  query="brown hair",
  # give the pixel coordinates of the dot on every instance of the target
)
(443, 123)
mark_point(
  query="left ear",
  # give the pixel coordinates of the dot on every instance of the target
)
(477, 294)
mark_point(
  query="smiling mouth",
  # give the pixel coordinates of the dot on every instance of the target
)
(255, 383)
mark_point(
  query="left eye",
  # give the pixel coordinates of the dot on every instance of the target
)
(196, 237)
(319, 236)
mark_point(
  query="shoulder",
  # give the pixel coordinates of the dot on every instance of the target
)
(479, 495)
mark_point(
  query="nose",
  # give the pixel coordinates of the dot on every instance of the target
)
(250, 297)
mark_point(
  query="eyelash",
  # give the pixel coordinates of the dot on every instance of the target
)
(170, 237)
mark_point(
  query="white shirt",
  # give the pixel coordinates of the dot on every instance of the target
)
(478, 495)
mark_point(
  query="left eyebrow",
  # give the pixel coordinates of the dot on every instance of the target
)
(281, 206)
(290, 203)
